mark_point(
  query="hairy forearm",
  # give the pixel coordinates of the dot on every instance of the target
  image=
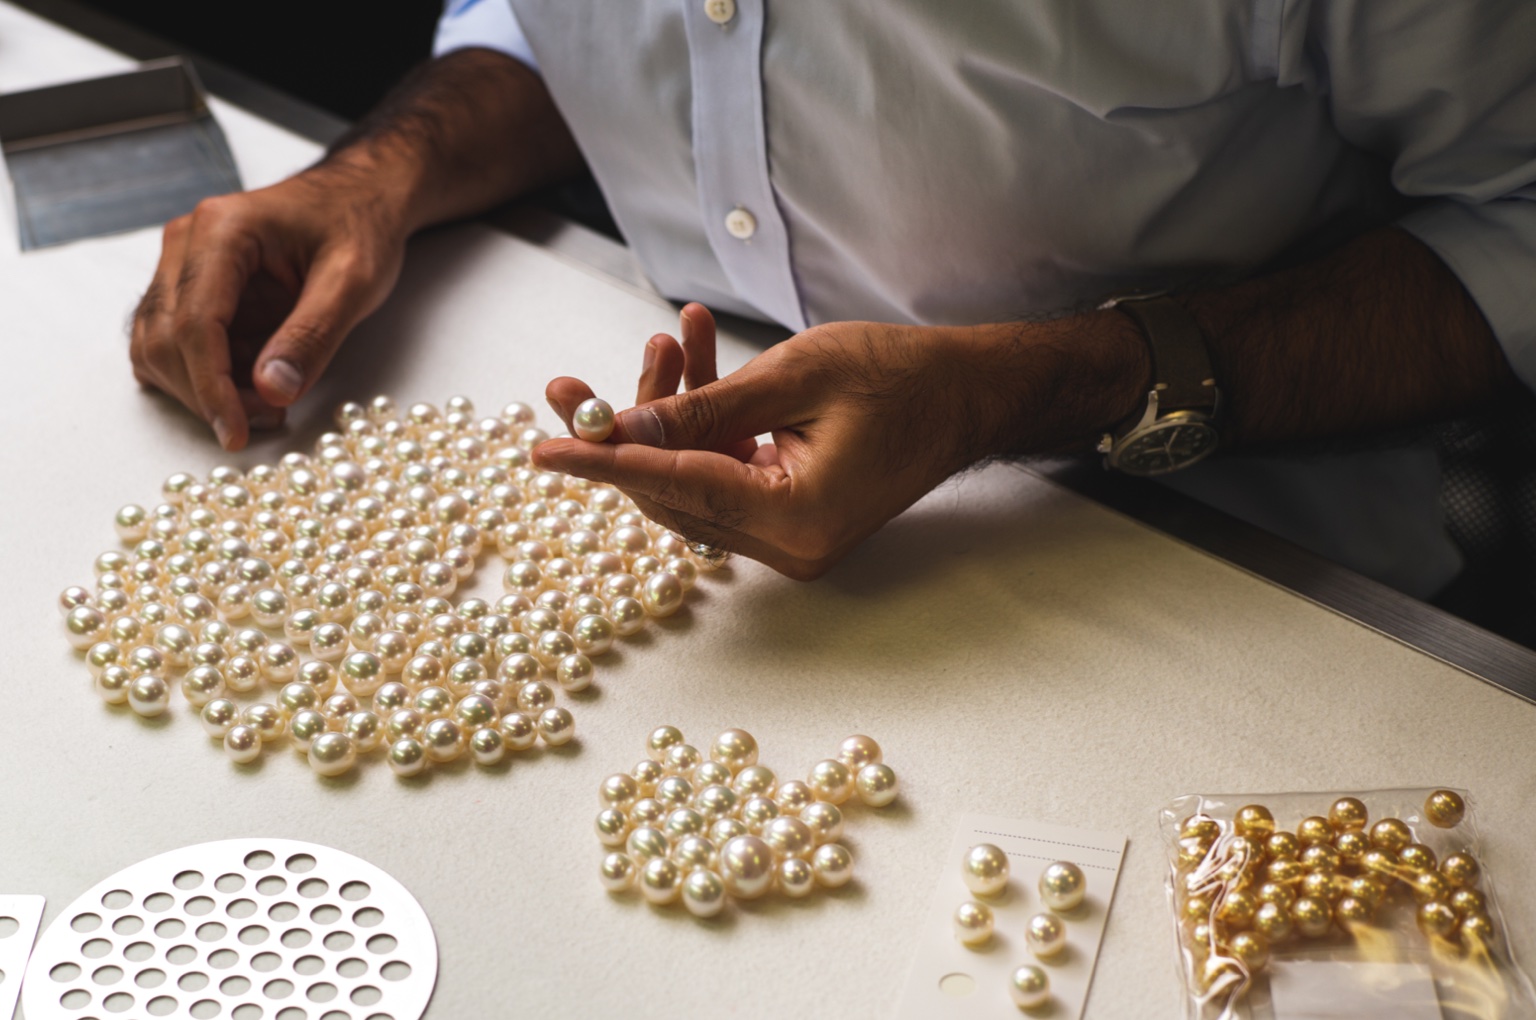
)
(1374, 336)
(459, 135)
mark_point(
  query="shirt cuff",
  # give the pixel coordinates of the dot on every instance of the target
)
(1491, 247)
(487, 24)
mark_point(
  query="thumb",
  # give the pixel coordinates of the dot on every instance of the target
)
(712, 417)
(335, 298)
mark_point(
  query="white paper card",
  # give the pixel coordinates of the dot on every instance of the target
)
(948, 979)
(1338, 990)
(19, 920)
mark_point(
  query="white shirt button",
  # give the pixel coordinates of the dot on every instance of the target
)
(740, 224)
(720, 11)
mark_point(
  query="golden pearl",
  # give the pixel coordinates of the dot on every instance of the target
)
(1197, 908)
(1381, 862)
(1201, 827)
(1419, 856)
(1314, 830)
(1274, 892)
(1436, 919)
(1367, 889)
(1323, 885)
(1477, 931)
(1321, 857)
(1200, 934)
(1313, 917)
(1348, 813)
(1469, 901)
(1274, 920)
(1255, 822)
(1391, 834)
(1445, 809)
(1430, 886)
(1350, 911)
(1251, 949)
(1461, 870)
(1237, 908)
(1192, 851)
(1351, 846)
(1283, 844)
(1285, 870)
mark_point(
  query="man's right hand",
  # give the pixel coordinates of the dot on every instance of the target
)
(255, 292)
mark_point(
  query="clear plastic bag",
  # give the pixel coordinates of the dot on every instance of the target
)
(1367, 904)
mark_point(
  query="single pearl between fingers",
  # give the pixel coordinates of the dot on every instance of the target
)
(593, 420)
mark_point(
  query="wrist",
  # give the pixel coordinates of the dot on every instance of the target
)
(1052, 387)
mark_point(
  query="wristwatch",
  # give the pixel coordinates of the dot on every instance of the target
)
(1178, 425)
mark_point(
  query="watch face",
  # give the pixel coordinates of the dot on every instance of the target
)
(1165, 446)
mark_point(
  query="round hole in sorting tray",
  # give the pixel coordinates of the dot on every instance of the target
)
(325, 913)
(128, 924)
(96, 948)
(395, 970)
(150, 977)
(75, 998)
(284, 911)
(296, 938)
(957, 985)
(300, 863)
(235, 984)
(309, 965)
(382, 943)
(291, 1013)
(380, 1016)
(118, 1002)
(188, 880)
(366, 995)
(339, 940)
(65, 972)
(241, 909)
(159, 902)
(108, 975)
(197, 906)
(223, 959)
(253, 934)
(247, 1011)
(368, 917)
(80, 922)
(10, 926)
(321, 991)
(181, 955)
(355, 891)
(277, 988)
(193, 981)
(266, 962)
(351, 967)
(211, 931)
(161, 1005)
(117, 899)
(206, 1009)
(335, 1014)
(314, 888)
(229, 883)
(259, 860)
(170, 928)
(138, 952)
(271, 885)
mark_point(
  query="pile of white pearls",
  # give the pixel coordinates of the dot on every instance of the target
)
(326, 579)
(701, 829)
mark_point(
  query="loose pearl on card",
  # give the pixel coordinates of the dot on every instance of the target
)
(1062, 886)
(973, 923)
(1029, 987)
(1045, 935)
(985, 870)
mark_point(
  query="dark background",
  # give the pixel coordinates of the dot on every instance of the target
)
(341, 55)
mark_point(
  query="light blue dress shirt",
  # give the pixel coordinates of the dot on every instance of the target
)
(932, 162)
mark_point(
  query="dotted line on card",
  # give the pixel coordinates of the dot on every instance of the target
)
(1053, 842)
(1082, 864)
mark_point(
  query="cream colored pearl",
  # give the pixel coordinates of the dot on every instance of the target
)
(112, 685)
(645, 843)
(218, 716)
(825, 820)
(487, 746)
(593, 420)
(661, 594)
(556, 726)
(366, 730)
(974, 923)
(858, 751)
(574, 672)
(985, 870)
(724, 830)
(747, 867)
(877, 785)
(201, 685)
(242, 744)
(332, 754)
(266, 720)
(703, 893)
(694, 852)
(833, 865)
(735, 749)
(612, 827)
(518, 730)
(1029, 987)
(443, 739)
(304, 727)
(84, 625)
(796, 877)
(681, 760)
(618, 873)
(661, 881)
(628, 615)
(789, 837)
(407, 757)
(619, 791)
(794, 797)
(711, 773)
(149, 695)
(1062, 886)
(830, 781)
(1045, 935)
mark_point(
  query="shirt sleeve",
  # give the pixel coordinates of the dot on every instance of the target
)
(1445, 93)
(489, 24)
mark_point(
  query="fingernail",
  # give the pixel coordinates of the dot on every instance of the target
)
(283, 377)
(650, 357)
(221, 430)
(643, 427)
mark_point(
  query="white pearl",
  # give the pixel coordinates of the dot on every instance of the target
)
(694, 852)
(593, 420)
(149, 695)
(831, 781)
(662, 738)
(612, 827)
(519, 731)
(1029, 987)
(796, 877)
(443, 739)
(593, 634)
(574, 672)
(754, 781)
(331, 754)
(242, 744)
(628, 615)
(646, 843)
(487, 746)
(825, 820)
(112, 685)
(201, 685)
(218, 716)
(84, 625)
(858, 751)
(703, 893)
(747, 866)
(735, 749)
(407, 757)
(661, 594)
(789, 837)
(661, 881)
(1062, 886)
(794, 797)
(833, 865)
(1045, 935)
(618, 873)
(985, 870)
(973, 923)
(877, 785)
(556, 726)
(304, 727)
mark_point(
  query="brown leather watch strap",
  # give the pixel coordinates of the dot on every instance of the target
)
(1181, 363)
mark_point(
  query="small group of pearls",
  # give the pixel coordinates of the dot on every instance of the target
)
(1062, 886)
(1246, 885)
(352, 555)
(683, 825)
